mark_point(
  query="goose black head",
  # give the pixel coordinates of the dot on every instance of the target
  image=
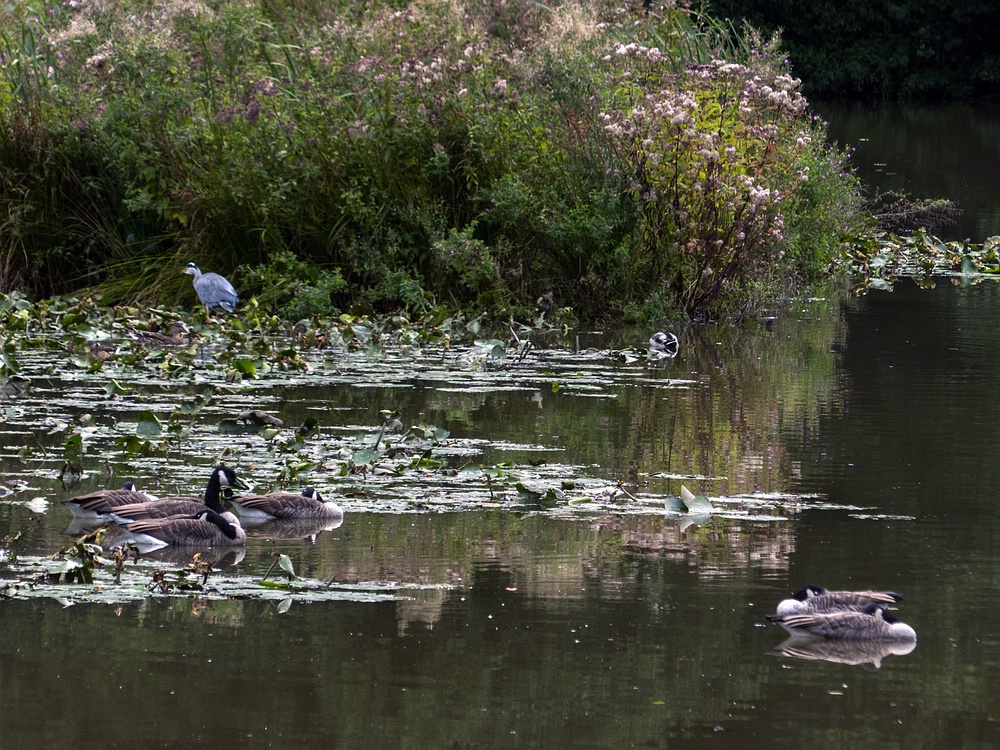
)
(878, 610)
(808, 593)
(222, 478)
(313, 494)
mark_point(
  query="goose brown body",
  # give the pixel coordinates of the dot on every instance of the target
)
(873, 623)
(281, 505)
(91, 505)
(222, 479)
(207, 528)
(818, 599)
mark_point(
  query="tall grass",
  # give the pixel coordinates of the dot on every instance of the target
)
(476, 154)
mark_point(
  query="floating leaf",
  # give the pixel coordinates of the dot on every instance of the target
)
(696, 504)
(527, 495)
(245, 367)
(366, 456)
(285, 562)
(674, 504)
(148, 424)
(114, 388)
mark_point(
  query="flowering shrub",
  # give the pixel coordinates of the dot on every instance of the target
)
(713, 151)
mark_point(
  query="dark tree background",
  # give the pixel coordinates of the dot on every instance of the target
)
(883, 49)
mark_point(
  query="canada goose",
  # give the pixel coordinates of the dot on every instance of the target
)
(873, 623)
(205, 528)
(89, 507)
(277, 505)
(817, 599)
(214, 291)
(222, 479)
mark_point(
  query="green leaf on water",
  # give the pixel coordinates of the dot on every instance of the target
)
(7, 359)
(366, 456)
(269, 584)
(65, 566)
(285, 562)
(199, 403)
(245, 367)
(148, 424)
(114, 388)
(527, 495)
(696, 503)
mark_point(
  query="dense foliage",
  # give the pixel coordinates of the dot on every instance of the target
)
(479, 155)
(905, 49)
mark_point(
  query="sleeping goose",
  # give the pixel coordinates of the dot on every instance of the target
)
(222, 480)
(818, 599)
(310, 504)
(204, 529)
(873, 623)
(89, 507)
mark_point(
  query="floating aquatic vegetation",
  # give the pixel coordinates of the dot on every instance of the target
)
(103, 581)
(347, 404)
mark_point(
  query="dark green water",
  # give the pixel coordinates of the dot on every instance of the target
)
(927, 152)
(600, 627)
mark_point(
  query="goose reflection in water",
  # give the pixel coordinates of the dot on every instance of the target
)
(867, 653)
(293, 528)
(217, 557)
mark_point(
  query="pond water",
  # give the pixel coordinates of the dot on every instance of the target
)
(852, 444)
(927, 152)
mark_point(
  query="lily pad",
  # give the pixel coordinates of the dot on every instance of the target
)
(696, 504)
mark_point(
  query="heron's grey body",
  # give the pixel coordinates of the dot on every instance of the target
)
(214, 291)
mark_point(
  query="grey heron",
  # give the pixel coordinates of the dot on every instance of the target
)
(214, 291)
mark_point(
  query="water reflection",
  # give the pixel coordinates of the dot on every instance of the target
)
(867, 653)
(292, 528)
(928, 152)
(591, 625)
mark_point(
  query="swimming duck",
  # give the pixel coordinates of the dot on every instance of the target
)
(277, 505)
(818, 599)
(873, 623)
(90, 507)
(205, 528)
(222, 480)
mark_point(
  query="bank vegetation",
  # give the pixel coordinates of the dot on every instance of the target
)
(613, 162)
